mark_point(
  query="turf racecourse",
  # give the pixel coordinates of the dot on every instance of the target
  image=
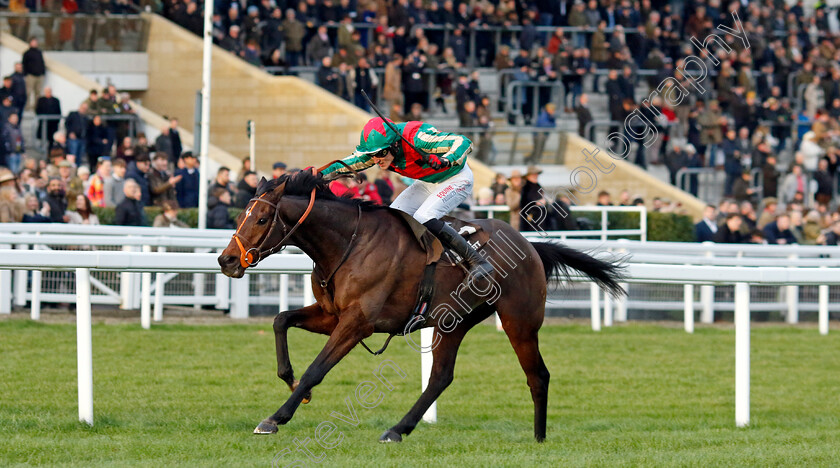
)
(634, 395)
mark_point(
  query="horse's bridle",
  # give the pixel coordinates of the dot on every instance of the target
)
(246, 256)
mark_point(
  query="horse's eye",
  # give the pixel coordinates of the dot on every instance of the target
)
(262, 221)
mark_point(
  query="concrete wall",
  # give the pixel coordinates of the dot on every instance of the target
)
(297, 122)
(624, 175)
(72, 89)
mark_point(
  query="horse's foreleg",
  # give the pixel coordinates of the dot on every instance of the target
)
(311, 318)
(349, 331)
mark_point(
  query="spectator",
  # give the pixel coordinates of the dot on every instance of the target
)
(794, 183)
(35, 211)
(11, 206)
(545, 120)
(513, 197)
(832, 237)
(327, 77)
(385, 186)
(778, 231)
(140, 175)
(77, 124)
(730, 231)
(218, 216)
(84, 213)
(278, 169)
(345, 187)
(318, 47)
(187, 188)
(113, 186)
(48, 105)
(127, 151)
(57, 200)
(247, 189)
(825, 183)
(34, 69)
(169, 217)
(223, 180)
(367, 191)
(293, 33)
(532, 202)
(163, 143)
(130, 211)
(392, 91)
(175, 141)
(742, 190)
(232, 42)
(584, 115)
(811, 228)
(769, 176)
(161, 181)
(72, 183)
(96, 189)
(367, 81)
(705, 230)
(93, 107)
(604, 198)
(99, 141)
(18, 90)
(13, 144)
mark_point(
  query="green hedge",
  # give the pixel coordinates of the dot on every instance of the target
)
(187, 215)
(669, 227)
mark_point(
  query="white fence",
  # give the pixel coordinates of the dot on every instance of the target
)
(603, 232)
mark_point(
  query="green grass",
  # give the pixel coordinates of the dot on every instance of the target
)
(636, 395)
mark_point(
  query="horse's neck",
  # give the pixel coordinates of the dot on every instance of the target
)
(326, 232)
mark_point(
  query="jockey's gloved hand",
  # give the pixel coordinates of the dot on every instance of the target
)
(437, 163)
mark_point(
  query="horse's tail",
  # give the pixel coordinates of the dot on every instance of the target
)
(558, 259)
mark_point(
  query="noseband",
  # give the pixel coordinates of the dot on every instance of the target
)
(247, 255)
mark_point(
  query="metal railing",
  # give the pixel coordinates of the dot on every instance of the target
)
(603, 231)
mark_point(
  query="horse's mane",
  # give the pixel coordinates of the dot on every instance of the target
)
(301, 183)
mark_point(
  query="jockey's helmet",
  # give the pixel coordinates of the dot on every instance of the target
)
(376, 136)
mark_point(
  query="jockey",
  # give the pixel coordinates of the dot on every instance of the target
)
(441, 184)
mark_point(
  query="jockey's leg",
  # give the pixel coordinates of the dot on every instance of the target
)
(446, 196)
(411, 198)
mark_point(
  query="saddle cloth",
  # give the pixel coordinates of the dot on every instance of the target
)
(473, 232)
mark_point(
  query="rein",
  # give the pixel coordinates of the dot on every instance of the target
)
(325, 282)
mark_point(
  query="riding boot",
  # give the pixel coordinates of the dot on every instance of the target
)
(478, 267)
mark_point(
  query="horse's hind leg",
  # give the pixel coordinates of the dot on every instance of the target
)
(311, 318)
(522, 332)
(443, 371)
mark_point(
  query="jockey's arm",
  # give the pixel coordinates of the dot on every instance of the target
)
(450, 146)
(358, 161)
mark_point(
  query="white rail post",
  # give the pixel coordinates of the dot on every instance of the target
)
(426, 361)
(688, 307)
(127, 286)
(35, 309)
(792, 299)
(707, 296)
(595, 306)
(5, 287)
(20, 282)
(608, 310)
(159, 291)
(308, 296)
(239, 304)
(742, 354)
(284, 292)
(498, 321)
(84, 346)
(643, 222)
(621, 305)
(823, 309)
(146, 296)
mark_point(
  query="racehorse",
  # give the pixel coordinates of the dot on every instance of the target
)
(368, 269)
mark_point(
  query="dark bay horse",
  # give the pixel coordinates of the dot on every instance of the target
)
(368, 268)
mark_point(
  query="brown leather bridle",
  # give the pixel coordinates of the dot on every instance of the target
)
(246, 256)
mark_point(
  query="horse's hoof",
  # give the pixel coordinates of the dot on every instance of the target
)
(266, 427)
(390, 436)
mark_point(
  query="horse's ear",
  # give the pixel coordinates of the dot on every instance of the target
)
(278, 191)
(262, 182)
